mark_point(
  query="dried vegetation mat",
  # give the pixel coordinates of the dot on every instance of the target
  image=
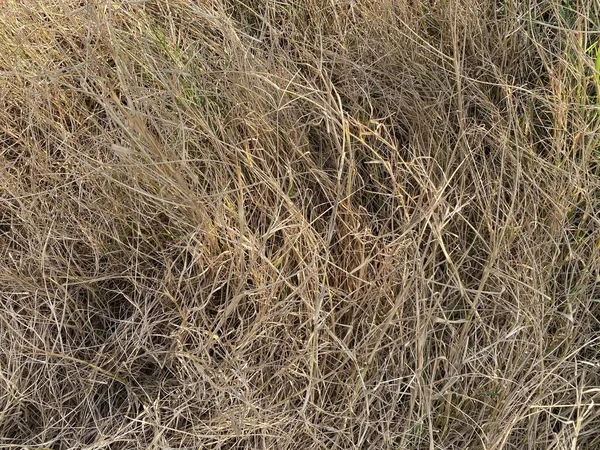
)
(260, 224)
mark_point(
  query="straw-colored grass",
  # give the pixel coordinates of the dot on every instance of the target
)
(260, 224)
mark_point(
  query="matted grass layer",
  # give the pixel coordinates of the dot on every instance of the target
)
(259, 224)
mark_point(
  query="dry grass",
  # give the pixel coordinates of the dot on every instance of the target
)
(259, 224)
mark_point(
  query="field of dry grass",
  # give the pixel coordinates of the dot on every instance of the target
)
(317, 224)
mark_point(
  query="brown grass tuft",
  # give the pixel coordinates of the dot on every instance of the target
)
(253, 224)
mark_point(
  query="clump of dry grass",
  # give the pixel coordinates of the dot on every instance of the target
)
(299, 225)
